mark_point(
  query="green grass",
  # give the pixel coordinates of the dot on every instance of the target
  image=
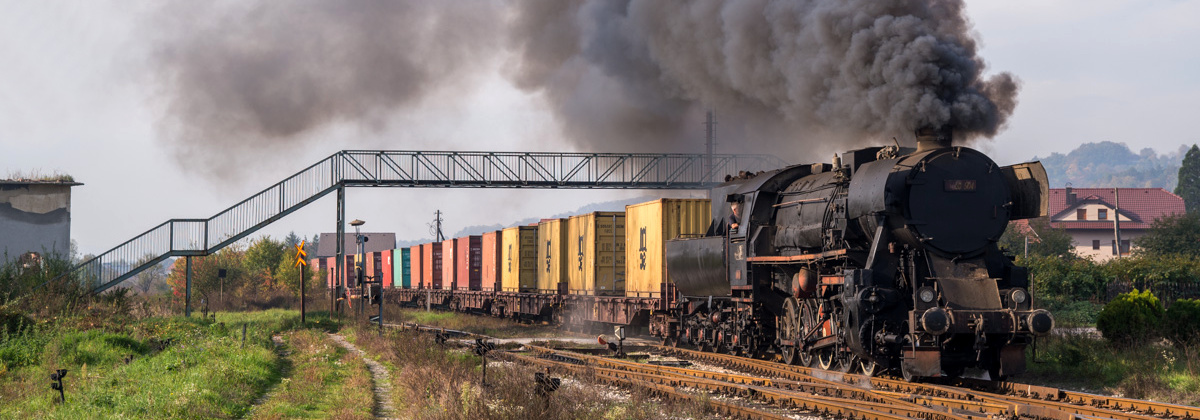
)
(1149, 370)
(180, 367)
(326, 381)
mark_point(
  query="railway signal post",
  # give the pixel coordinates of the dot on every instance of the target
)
(300, 262)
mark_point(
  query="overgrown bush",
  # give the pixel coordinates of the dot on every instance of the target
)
(1181, 323)
(1131, 318)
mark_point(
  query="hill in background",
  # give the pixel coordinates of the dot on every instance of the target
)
(1108, 164)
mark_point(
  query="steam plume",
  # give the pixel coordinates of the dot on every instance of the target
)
(621, 73)
(242, 79)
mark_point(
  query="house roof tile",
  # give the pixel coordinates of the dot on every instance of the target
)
(1144, 205)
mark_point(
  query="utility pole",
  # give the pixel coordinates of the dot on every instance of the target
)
(1117, 221)
(709, 122)
(437, 226)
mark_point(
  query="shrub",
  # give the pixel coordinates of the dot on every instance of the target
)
(1131, 317)
(1181, 323)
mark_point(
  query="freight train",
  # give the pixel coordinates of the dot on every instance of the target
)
(885, 259)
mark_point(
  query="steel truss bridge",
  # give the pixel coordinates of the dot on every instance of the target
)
(379, 168)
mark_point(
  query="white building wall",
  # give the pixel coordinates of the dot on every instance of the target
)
(1082, 240)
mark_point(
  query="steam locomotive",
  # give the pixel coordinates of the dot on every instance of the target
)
(884, 260)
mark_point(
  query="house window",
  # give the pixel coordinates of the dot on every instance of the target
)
(1124, 246)
(1114, 247)
(1095, 244)
(1102, 214)
(1081, 214)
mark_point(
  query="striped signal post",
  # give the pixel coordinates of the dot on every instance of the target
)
(300, 262)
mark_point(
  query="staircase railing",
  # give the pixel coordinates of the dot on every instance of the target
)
(359, 168)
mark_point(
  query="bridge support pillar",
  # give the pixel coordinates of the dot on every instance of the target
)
(187, 297)
(340, 277)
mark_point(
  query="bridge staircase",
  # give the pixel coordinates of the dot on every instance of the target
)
(377, 168)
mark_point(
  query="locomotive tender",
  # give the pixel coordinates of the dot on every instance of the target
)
(885, 259)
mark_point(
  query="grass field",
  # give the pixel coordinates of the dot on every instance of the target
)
(1154, 371)
(172, 367)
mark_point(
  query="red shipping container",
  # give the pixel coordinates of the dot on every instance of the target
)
(489, 261)
(415, 257)
(431, 254)
(449, 264)
(386, 272)
(467, 265)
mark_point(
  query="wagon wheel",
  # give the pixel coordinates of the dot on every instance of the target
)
(825, 359)
(788, 320)
(808, 321)
(789, 354)
(868, 367)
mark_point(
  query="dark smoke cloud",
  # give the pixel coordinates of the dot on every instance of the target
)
(633, 74)
(243, 79)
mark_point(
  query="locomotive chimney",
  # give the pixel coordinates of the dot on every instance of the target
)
(929, 138)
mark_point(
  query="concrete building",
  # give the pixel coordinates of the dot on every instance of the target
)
(1089, 215)
(35, 216)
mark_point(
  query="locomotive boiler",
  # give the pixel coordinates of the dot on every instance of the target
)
(884, 259)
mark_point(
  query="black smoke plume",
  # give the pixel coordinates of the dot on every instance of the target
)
(626, 74)
(243, 80)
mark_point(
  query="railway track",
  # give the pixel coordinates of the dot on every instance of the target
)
(779, 388)
(1018, 400)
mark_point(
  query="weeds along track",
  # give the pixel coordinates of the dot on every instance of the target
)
(979, 398)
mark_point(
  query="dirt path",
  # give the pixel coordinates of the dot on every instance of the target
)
(379, 377)
(282, 351)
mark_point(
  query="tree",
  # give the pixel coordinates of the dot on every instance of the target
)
(311, 247)
(1189, 180)
(151, 277)
(1044, 240)
(264, 255)
(206, 280)
(1175, 234)
(291, 240)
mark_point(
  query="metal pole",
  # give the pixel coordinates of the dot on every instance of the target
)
(303, 276)
(187, 297)
(339, 268)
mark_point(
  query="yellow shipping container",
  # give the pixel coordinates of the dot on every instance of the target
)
(552, 248)
(648, 226)
(518, 259)
(596, 253)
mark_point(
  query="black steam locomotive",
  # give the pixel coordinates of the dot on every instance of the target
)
(885, 259)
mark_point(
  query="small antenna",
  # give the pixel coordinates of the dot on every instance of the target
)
(896, 141)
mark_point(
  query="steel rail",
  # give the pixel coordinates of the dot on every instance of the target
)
(728, 409)
(835, 394)
(1034, 401)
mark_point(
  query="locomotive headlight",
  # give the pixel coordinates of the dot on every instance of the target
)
(1019, 296)
(926, 294)
(935, 321)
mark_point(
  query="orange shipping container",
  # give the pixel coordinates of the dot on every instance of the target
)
(489, 249)
(431, 264)
(519, 259)
(468, 264)
(416, 258)
(647, 227)
(552, 249)
(596, 252)
(449, 262)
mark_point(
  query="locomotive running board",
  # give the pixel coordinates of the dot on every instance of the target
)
(797, 258)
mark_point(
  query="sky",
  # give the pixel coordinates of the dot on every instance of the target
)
(78, 98)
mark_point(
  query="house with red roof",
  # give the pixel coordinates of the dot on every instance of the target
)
(1094, 217)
